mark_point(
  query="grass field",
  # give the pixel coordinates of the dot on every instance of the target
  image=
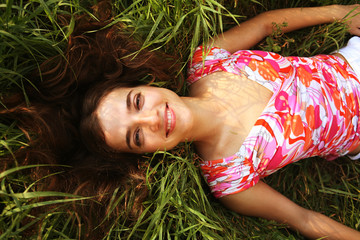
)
(179, 205)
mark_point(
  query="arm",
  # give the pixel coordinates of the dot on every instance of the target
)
(249, 33)
(263, 201)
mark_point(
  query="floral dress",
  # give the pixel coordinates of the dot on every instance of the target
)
(314, 111)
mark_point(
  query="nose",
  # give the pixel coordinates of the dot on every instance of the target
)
(149, 119)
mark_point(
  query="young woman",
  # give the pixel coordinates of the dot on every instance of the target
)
(49, 116)
(253, 111)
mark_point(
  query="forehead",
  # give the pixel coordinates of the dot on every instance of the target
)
(111, 104)
(112, 115)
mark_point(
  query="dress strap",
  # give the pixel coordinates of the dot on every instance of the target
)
(354, 157)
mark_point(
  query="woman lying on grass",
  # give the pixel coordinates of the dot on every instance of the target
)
(249, 113)
(254, 111)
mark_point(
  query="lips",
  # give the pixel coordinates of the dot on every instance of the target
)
(170, 120)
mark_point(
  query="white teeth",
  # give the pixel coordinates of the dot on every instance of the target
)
(169, 120)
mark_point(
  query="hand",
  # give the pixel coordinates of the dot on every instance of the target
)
(250, 32)
(350, 15)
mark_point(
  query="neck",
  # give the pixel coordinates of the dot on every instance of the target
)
(206, 119)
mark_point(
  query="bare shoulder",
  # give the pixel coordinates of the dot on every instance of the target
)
(217, 81)
(238, 102)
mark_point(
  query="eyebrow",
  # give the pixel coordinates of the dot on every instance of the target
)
(128, 104)
(128, 138)
(128, 100)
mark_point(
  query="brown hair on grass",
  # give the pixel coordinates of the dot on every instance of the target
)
(94, 55)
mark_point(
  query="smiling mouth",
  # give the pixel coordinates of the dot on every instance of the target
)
(169, 120)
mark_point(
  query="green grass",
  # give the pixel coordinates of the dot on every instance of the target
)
(179, 205)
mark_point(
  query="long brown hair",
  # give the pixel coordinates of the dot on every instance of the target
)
(97, 58)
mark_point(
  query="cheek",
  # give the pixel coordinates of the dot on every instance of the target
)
(154, 97)
(157, 144)
(153, 147)
(154, 143)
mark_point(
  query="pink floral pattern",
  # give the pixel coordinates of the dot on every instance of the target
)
(313, 112)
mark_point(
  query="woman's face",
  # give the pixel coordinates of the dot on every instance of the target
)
(143, 119)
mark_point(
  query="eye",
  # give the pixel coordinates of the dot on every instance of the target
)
(137, 137)
(137, 101)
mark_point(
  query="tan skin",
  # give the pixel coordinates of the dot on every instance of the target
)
(261, 200)
(214, 106)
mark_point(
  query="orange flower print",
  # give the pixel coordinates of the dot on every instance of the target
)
(314, 111)
(310, 116)
(293, 125)
(265, 69)
(313, 117)
(304, 75)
